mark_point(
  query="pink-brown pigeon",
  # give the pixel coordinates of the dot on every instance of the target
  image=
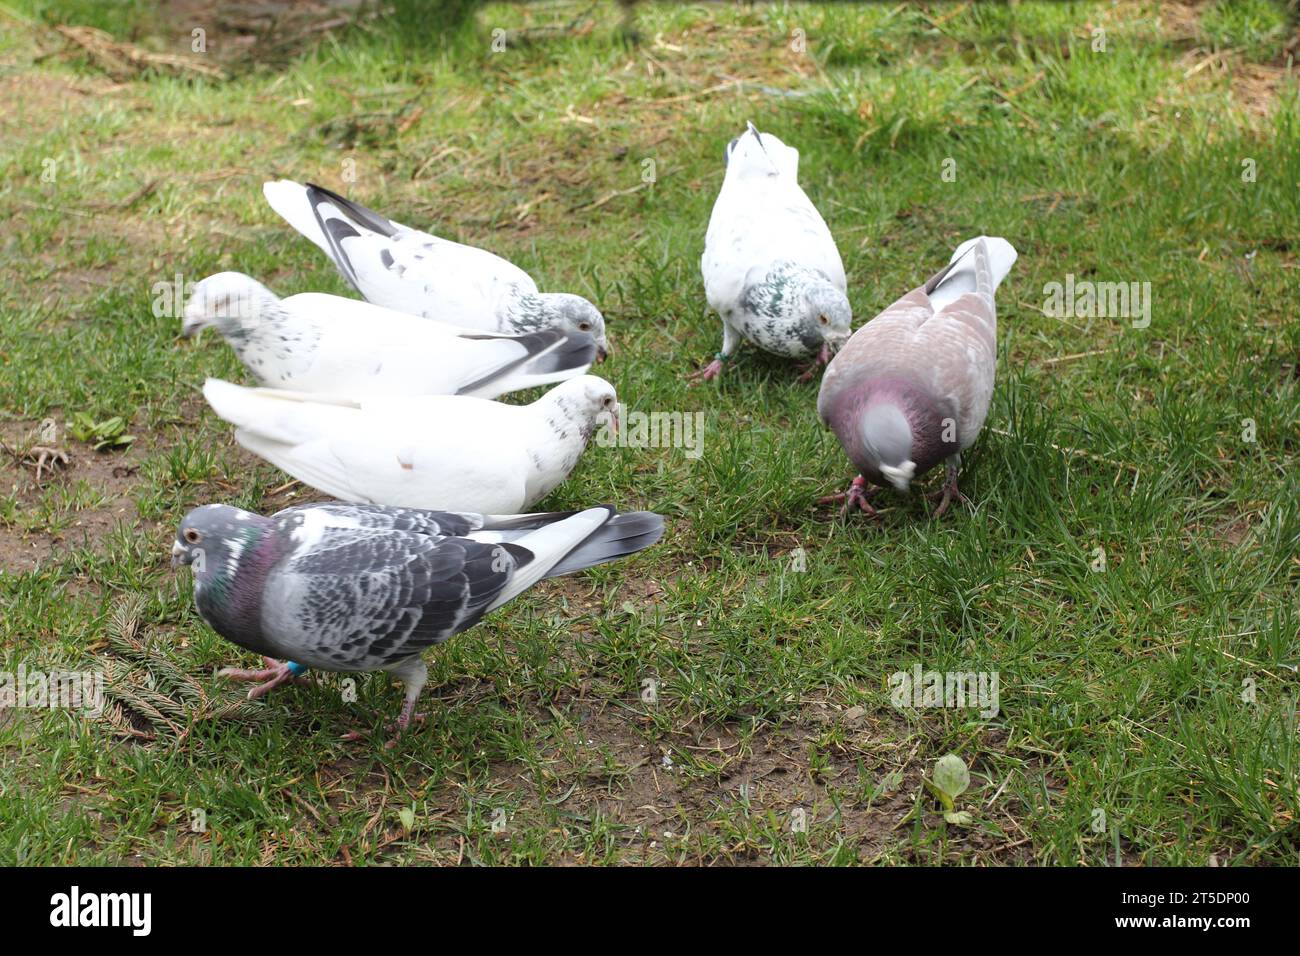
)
(911, 388)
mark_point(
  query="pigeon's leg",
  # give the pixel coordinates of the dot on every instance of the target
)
(47, 456)
(730, 342)
(809, 370)
(412, 673)
(856, 496)
(276, 673)
(949, 490)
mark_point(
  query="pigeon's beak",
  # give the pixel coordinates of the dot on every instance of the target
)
(178, 552)
(192, 325)
(615, 411)
(603, 350)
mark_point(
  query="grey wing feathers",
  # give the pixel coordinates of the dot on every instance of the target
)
(545, 353)
(364, 599)
(333, 213)
(387, 518)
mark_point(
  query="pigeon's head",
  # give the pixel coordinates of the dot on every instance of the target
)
(893, 430)
(827, 318)
(230, 301)
(573, 312)
(588, 401)
(212, 537)
(887, 440)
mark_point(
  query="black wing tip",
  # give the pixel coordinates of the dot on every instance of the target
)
(575, 350)
(355, 211)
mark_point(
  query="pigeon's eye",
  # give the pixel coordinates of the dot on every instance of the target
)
(823, 320)
(584, 326)
(607, 401)
(192, 536)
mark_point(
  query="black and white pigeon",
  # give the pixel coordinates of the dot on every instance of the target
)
(912, 386)
(441, 452)
(415, 272)
(352, 588)
(771, 269)
(321, 343)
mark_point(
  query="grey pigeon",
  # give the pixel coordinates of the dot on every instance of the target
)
(351, 588)
(770, 266)
(412, 271)
(912, 386)
(320, 343)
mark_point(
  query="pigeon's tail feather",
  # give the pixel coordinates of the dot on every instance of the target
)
(977, 265)
(755, 153)
(327, 219)
(899, 476)
(232, 402)
(624, 534)
(552, 355)
(359, 214)
(289, 199)
(581, 540)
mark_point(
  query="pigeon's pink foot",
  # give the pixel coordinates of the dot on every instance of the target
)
(948, 492)
(811, 369)
(404, 720)
(856, 496)
(276, 673)
(396, 728)
(710, 371)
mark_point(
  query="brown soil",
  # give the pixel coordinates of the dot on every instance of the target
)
(110, 473)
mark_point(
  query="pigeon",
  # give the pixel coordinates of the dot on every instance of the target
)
(912, 386)
(771, 269)
(440, 452)
(325, 343)
(411, 271)
(351, 588)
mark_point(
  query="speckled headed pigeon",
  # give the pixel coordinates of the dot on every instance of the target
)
(771, 269)
(415, 272)
(442, 452)
(360, 588)
(912, 386)
(314, 342)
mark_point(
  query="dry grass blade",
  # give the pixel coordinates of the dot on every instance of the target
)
(123, 61)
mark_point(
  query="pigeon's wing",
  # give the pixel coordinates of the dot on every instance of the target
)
(960, 340)
(435, 452)
(481, 527)
(396, 266)
(759, 220)
(342, 514)
(362, 349)
(360, 599)
(885, 346)
(942, 336)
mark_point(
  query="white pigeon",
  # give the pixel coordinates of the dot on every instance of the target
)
(771, 269)
(320, 343)
(913, 385)
(412, 271)
(436, 452)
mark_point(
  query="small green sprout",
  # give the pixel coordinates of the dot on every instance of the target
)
(110, 433)
(951, 778)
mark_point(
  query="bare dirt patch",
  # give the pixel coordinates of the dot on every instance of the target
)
(36, 527)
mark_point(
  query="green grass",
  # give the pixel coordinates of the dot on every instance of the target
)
(1121, 690)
